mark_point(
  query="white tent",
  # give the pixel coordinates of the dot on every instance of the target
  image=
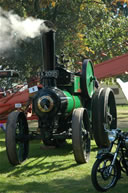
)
(124, 87)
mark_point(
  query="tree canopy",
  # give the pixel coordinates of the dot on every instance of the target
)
(84, 28)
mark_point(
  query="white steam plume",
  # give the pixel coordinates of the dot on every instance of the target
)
(14, 28)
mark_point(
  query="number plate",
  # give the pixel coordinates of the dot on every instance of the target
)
(50, 74)
(18, 105)
(33, 89)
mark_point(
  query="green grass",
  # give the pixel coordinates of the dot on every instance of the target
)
(50, 171)
(46, 170)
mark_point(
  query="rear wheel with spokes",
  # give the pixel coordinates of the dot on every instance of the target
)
(108, 115)
(104, 115)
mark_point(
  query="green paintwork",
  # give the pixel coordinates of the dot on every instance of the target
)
(72, 102)
(77, 102)
(77, 88)
(90, 79)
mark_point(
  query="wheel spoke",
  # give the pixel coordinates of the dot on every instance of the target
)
(18, 134)
(104, 115)
(103, 178)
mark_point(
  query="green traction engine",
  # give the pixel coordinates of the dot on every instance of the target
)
(69, 106)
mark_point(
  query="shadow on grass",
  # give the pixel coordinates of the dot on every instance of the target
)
(61, 185)
(124, 117)
(2, 139)
(36, 168)
(42, 167)
(94, 148)
(123, 113)
(2, 143)
(43, 160)
(39, 159)
(56, 186)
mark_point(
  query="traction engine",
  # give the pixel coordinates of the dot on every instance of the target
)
(68, 106)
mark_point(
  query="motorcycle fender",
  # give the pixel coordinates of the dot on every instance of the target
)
(101, 155)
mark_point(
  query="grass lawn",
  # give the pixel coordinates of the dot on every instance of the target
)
(51, 171)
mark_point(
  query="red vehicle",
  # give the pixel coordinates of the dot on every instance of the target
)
(13, 97)
(18, 97)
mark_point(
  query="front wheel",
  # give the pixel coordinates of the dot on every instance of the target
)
(105, 175)
(80, 135)
(17, 140)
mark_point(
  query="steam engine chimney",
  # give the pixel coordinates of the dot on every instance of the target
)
(48, 50)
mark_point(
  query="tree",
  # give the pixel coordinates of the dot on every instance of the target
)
(85, 28)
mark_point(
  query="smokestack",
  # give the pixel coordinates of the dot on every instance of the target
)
(48, 50)
(14, 28)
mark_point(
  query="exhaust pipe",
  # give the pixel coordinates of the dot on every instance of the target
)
(48, 50)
